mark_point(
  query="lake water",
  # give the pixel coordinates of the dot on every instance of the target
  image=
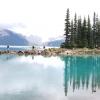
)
(49, 78)
(18, 48)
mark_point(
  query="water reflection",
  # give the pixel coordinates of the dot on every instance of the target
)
(81, 72)
(49, 78)
(7, 57)
(24, 78)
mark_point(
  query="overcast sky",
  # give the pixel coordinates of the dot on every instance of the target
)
(44, 18)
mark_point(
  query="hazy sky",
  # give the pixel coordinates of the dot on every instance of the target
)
(44, 18)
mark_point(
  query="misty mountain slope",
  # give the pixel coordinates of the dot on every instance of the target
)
(8, 37)
(55, 43)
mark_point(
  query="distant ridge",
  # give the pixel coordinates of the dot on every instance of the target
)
(55, 43)
(8, 37)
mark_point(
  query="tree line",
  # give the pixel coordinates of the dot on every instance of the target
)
(81, 33)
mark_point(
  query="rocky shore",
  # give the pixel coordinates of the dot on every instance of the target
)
(55, 52)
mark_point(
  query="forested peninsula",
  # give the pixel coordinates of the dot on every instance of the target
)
(82, 33)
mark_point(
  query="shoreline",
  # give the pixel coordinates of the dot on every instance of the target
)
(54, 52)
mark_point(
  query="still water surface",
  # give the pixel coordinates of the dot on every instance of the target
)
(49, 78)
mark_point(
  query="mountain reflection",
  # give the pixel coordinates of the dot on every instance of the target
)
(7, 57)
(81, 72)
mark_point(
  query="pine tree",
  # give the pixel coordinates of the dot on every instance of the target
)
(97, 43)
(75, 30)
(67, 43)
(98, 35)
(84, 34)
(94, 31)
(79, 33)
(72, 35)
(89, 33)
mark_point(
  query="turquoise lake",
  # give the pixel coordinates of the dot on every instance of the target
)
(49, 78)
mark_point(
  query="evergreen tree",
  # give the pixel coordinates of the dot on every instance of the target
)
(72, 35)
(84, 34)
(94, 31)
(75, 30)
(89, 33)
(97, 43)
(79, 33)
(67, 31)
(98, 35)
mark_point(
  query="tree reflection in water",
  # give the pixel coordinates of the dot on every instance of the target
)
(81, 72)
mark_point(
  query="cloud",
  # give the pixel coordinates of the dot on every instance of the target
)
(44, 18)
(33, 39)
